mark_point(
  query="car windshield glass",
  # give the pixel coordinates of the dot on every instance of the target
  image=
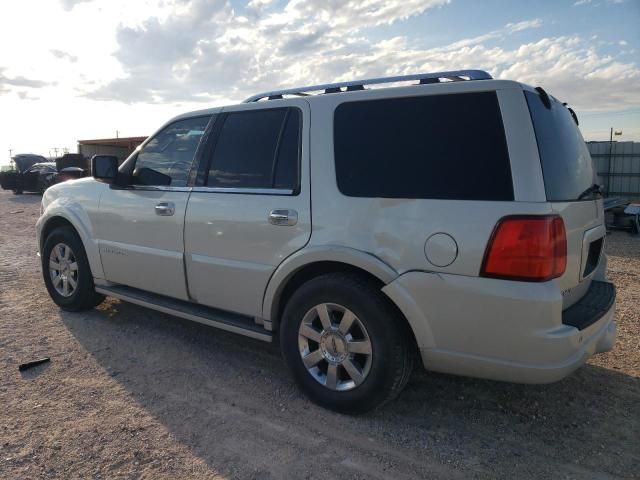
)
(567, 167)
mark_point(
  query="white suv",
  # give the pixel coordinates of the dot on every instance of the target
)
(448, 214)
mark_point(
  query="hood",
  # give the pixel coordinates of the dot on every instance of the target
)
(25, 160)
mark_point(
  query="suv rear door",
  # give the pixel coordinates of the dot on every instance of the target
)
(568, 174)
(250, 207)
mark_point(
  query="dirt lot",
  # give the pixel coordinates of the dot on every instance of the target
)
(131, 393)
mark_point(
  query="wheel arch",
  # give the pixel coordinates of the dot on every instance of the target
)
(310, 263)
(60, 219)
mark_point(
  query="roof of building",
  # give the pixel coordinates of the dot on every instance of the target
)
(116, 142)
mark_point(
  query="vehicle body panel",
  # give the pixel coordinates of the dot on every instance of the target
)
(77, 202)
(230, 245)
(139, 248)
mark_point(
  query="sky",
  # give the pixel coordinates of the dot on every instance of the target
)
(80, 69)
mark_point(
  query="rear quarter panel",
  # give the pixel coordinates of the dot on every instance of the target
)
(395, 230)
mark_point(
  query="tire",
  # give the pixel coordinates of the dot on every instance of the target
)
(81, 297)
(382, 374)
(17, 191)
(45, 184)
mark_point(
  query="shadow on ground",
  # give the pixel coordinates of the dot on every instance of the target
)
(205, 385)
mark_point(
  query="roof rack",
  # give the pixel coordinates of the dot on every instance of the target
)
(424, 78)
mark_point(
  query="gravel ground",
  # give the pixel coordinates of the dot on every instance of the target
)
(131, 393)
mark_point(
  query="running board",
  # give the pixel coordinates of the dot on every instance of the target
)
(231, 322)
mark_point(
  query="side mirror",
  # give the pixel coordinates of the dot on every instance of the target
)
(104, 168)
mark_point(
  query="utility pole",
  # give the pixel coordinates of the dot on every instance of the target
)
(117, 134)
(611, 134)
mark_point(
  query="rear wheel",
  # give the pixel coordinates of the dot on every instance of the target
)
(66, 271)
(347, 347)
(17, 191)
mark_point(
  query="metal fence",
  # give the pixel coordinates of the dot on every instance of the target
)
(618, 165)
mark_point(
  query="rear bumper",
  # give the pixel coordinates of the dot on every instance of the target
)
(501, 330)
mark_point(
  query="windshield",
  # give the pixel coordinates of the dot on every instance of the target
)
(566, 164)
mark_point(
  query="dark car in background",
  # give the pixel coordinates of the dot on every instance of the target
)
(33, 176)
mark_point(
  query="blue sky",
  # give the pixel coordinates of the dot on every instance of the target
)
(90, 67)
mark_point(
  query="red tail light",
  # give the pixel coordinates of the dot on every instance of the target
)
(528, 248)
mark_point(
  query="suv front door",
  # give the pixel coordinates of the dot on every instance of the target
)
(140, 227)
(250, 208)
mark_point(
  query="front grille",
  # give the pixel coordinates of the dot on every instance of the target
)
(590, 308)
(593, 257)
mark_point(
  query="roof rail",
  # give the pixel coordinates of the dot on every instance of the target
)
(352, 85)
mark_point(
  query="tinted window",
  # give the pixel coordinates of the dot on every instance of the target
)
(257, 149)
(171, 152)
(439, 146)
(566, 164)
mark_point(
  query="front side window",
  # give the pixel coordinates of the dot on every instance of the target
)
(257, 149)
(438, 146)
(167, 158)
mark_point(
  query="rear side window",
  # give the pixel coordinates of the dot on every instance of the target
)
(257, 149)
(439, 146)
(567, 167)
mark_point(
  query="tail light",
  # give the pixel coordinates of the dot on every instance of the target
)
(527, 248)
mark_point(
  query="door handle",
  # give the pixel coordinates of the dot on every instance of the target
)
(283, 217)
(165, 209)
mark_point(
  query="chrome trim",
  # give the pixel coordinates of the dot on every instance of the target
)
(251, 191)
(154, 188)
(452, 75)
(165, 209)
(283, 217)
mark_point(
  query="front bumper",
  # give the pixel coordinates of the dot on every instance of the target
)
(497, 329)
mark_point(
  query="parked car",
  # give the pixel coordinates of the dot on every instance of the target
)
(36, 178)
(456, 219)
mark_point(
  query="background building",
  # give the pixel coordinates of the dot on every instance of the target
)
(618, 165)
(120, 147)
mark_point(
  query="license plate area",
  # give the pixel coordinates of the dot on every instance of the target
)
(592, 247)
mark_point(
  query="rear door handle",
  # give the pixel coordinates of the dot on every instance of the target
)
(283, 217)
(165, 209)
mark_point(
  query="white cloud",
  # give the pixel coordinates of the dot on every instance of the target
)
(69, 4)
(63, 55)
(208, 51)
(86, 61)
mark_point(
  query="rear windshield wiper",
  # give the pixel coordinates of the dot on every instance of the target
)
(595, 188)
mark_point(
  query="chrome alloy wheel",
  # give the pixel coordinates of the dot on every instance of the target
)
(63, 269)
(335, 346)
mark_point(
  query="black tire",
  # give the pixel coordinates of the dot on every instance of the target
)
(84, 297)
(393, 348)
(45, 184)
(17, 191)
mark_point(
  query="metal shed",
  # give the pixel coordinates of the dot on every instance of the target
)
(120, 147)
(618, 165)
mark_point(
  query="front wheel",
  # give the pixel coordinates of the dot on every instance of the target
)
(66, 271)
(349, 350)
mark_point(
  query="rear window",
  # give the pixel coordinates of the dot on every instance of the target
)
(438, 146)
(566, 164)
